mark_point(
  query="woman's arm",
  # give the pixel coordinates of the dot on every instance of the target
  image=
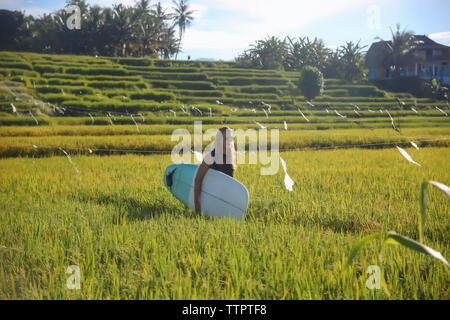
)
(198, 184)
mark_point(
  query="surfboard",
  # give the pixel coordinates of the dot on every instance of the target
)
(221, 195)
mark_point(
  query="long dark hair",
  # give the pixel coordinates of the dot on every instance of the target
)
(227, 132)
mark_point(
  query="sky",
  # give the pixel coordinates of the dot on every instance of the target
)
(223, 29)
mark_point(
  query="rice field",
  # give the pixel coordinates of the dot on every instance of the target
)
(132, 240)
(87, 191)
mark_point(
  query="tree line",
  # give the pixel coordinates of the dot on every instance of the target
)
(345, 62)
(144, 29)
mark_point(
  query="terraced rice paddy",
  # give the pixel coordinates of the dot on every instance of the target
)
(115, 220)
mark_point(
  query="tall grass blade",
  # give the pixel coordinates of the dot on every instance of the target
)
(360, 244)
(398, 239)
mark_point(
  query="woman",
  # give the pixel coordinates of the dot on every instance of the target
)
(221, 158)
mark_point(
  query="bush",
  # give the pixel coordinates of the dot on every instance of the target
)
(413, 85)
(311, 82)
(366, 91)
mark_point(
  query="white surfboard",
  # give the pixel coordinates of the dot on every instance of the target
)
(221, 195)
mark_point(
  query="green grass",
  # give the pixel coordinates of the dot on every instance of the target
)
(186, 82)
(19, 141)
(132, 240)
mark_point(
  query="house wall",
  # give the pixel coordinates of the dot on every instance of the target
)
(438, 70)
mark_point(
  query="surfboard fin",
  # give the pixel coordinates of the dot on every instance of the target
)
(169, 178)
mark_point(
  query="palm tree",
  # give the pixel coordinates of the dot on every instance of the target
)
(143, 7)
(124, 22)
(271, 53)
(182, 17)
(159, 13)
(304, 52)
(167, 45)
(401, 49)
(352, 61)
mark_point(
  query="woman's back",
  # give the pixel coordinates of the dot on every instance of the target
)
(223, 167)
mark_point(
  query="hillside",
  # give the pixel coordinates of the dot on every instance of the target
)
(84, 143)
(139, 85)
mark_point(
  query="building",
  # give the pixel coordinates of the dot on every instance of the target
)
(429, 60)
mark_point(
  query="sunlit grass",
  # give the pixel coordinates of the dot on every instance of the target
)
(132, 239)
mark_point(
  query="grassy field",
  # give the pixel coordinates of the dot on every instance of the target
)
(131, 239)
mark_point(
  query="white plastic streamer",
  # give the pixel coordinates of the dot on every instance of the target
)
(110, 120)
(92, 118)
(267, 105)
(414, 145)
(443, 112)
(392, 122)
(31, 114)
(441, 187)
(302, 114)
(340, 115)
(198, 110)
(68, 157)
(407, 156)
(355, 106)
(288, 182)
(137, 127)
(259, 124)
